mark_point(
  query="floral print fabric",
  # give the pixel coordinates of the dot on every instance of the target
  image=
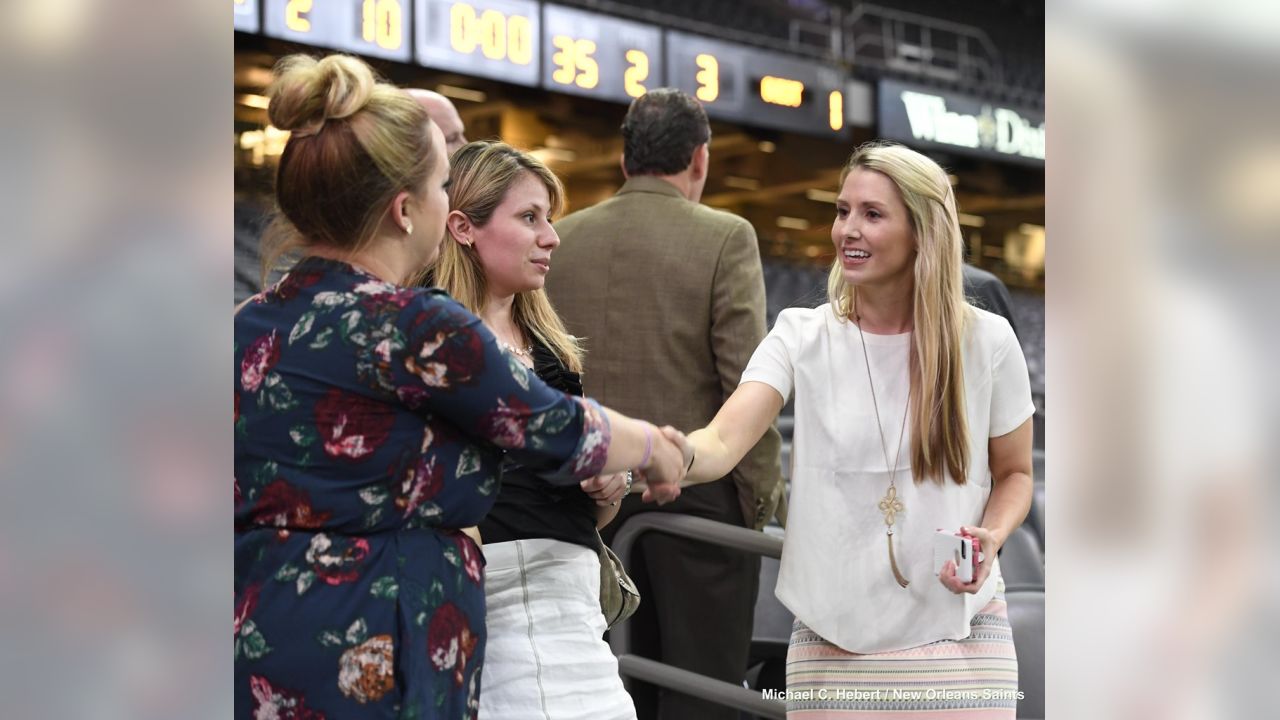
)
(371, 422)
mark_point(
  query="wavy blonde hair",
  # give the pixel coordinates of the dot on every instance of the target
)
(939, 426)
(481, 174)
(355, 143)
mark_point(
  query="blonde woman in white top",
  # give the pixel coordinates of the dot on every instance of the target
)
(913, 414)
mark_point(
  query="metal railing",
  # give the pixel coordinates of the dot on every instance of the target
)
(878, 36)
(673, 678)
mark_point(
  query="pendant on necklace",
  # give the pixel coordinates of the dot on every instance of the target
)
(890, 505)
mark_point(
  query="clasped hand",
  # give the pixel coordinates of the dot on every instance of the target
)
(606, 489)
(662, 479)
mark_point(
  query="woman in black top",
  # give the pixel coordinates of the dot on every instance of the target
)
(528, 507)
(545, 655)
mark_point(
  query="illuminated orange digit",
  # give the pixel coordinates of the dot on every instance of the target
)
(462, 21)
(634, 76)
(519, 40)
(493, 34)
(389, 35)
(708, 77)
(563, 59)
(293, 15)
(588, 69)
(835, 106)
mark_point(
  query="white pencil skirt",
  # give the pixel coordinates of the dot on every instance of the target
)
(544, 657)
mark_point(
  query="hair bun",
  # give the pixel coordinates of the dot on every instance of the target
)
(306, 92)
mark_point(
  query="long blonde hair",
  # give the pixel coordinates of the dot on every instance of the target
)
(355, 143)
(939, 426)
(481, 174)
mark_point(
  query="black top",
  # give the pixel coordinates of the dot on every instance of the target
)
(527, 506)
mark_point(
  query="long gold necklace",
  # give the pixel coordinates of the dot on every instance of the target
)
(890, 505)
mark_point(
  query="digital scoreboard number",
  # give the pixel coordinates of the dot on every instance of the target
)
(756, 87)
(377, 28)
(599, 56)
(711, 70)
(489, 38)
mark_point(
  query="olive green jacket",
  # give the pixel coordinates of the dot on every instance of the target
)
(668, 299)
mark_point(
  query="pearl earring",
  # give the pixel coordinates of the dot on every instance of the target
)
(408, 228)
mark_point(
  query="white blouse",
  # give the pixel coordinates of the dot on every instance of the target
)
(835, 574)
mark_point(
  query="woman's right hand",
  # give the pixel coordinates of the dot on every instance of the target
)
(665, 470)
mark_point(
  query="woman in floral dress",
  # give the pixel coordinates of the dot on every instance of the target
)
(371, 419)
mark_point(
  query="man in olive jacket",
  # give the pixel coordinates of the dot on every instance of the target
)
(667, 296)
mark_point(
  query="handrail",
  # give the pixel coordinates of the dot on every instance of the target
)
(678, 679)
(701, 686)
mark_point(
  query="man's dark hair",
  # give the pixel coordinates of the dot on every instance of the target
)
(660, 131)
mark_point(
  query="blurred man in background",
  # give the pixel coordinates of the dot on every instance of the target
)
(985, 290)
(442, 113)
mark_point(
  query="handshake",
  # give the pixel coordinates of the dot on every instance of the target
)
(661, 473)
(665, 473)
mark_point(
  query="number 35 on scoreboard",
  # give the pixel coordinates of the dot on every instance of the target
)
(599, 56)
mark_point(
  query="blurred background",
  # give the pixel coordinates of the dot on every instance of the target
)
(125, 177)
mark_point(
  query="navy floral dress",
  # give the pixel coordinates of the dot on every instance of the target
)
(371, 421)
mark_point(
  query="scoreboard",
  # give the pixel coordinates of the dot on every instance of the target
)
(537, 44)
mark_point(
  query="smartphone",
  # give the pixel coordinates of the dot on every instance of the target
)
(950, 546)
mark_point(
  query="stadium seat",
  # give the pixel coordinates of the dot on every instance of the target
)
(1035, 518)
(772, 618)
(1026, 615)
(1021, 561)
(771, 630)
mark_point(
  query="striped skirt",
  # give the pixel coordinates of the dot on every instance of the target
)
(973, 678)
